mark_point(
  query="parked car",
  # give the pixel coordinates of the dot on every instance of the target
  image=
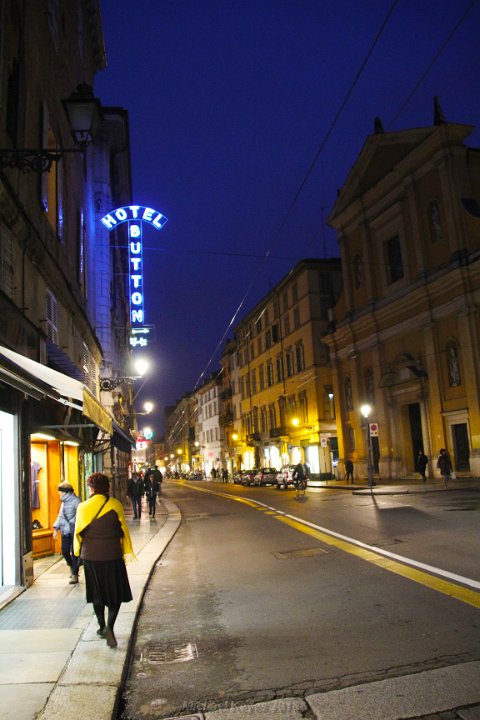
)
(248, 476)
(239, 476)
(266, 476)
(284, 479)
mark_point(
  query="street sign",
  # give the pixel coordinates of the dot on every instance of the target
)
(373, 430)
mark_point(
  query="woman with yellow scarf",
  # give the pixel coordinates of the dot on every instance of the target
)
(102, 541)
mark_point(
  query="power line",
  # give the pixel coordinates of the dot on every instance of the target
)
(304, 181)
(433, 61)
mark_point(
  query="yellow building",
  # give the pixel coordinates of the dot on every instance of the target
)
(285, 410)
(406, 333)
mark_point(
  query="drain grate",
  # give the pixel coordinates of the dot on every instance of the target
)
(158, 654)
(306, 552)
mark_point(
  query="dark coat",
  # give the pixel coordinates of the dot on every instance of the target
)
(422, 462)
(135, 488)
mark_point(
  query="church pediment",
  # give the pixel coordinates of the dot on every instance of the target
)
(380, 154)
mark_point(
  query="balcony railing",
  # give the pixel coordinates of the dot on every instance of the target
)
(278, 432)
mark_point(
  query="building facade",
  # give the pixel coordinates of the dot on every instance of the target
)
(53, 424)
(284, 375)
(406, 329)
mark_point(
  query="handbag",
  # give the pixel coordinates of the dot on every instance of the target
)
(453, 476)
(94, 518)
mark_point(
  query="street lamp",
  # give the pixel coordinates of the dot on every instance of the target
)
(366, 409)
(141, 366)
(147, 408)
(83, 110)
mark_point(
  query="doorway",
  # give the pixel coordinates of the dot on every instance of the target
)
(415, 420)
(461, 447)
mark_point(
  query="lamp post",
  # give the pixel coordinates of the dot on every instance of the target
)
(366, 410)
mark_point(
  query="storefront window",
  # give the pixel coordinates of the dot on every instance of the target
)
(9, 553)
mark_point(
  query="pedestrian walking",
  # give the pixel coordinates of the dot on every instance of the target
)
(102, 541)
(225, 475)
(422, 462)
(135, 492)
(65, 524)
(348, 471)
(152, 487)
(444, 464)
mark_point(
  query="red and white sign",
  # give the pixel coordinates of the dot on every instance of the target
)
(373, 430)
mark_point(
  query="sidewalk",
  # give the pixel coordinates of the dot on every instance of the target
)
(401, 487)
(52, 663)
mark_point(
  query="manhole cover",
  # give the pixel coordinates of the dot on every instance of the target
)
(307, 552)
(158, 654)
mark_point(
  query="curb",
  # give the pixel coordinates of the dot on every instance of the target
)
(92, 679)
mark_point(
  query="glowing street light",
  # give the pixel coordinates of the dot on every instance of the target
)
(366, 409)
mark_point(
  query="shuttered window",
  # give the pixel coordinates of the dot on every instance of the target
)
(51, 327)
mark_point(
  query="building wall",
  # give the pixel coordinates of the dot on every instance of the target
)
(406, 329)
(284, 373)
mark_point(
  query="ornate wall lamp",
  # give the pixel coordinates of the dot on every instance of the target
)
(83, 110)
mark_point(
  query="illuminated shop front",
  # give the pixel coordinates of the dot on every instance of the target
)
(51, 429)
(52, 461)
(9, 501)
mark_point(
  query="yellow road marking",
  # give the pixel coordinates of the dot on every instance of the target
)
(419, 576)
(465, 595)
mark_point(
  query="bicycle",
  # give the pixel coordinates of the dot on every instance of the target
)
(300, 487)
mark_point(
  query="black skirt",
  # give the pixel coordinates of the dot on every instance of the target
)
(107, 582)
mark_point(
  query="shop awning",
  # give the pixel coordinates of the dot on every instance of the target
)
(40, 381)
(121, 440)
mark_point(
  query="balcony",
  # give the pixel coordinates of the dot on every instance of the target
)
(253, 438)
(226, 419)
(279, 432)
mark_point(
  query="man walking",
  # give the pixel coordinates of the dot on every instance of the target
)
(135, 491)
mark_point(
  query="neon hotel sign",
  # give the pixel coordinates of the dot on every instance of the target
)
(135, 216)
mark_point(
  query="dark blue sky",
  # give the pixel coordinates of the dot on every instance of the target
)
(230, 102)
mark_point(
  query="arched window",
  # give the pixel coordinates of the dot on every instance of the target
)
(348, 393)
(369, 381)
(453, 364)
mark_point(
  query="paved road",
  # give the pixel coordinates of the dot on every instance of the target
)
(250, 605)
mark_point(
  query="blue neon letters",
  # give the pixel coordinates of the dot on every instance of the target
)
(135, 216)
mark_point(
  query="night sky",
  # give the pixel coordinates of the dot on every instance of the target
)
(245, 118)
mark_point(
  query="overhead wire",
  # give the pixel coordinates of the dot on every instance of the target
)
(297, 194)
(306, 177)
(327, 136)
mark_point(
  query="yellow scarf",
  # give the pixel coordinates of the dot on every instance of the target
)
(87, 511)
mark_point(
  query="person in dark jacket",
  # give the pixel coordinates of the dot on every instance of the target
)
(65, 524)
(153, 488)
(348, 471)
(422, 462)
(102, 541)
(444, 464)
(135, 491)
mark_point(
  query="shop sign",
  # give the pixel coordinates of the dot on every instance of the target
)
(135, 216)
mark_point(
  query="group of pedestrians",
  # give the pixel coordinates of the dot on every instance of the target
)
(444, 464)
(150, 486)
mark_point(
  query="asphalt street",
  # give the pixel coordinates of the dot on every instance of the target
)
(263, 598)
